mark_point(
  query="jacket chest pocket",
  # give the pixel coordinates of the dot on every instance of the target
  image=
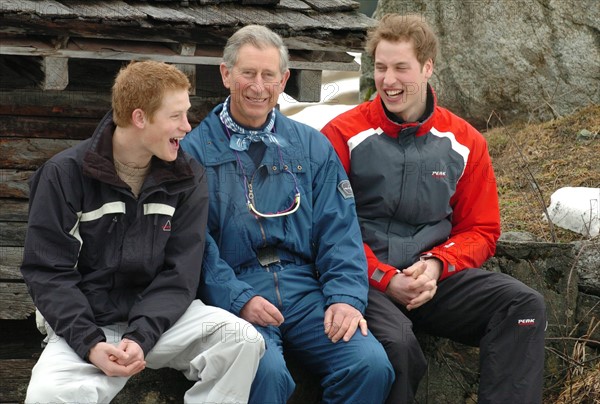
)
(146, 239)
(159, 217)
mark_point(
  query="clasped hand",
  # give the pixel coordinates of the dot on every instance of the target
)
(415, 285)
(125, 359)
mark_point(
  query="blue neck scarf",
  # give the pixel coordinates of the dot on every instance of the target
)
(240, 137)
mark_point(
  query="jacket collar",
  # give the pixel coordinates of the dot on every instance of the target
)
(98, 161)
(217, 147)
(378, 114)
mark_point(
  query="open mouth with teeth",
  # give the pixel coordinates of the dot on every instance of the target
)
(175, 141)
(394, 93)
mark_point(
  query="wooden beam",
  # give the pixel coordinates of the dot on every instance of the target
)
(14, 210)
(15, 375)
(30, 153)
(304, 85)
(56, 127)
(12, 234)
(56, 73)
(13, 183)
(86, 48)
(15, 302)
(188, 70)
(10, 263)
(83, 104)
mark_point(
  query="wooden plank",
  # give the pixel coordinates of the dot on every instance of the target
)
(44, 8)
(15, 375)
(29, 153)
(10, 263)
(13, 183)
(12, 234)
(13, 210)
(165, 14)
(56, 73)
(212, 15)
(259, 2)
(15, 302)
(304, 85)
(188, 70)
(107, 10)
(295, 5)
(55, 127)
(340, 21)
(326, 6)
(85, 104)
(119, 50)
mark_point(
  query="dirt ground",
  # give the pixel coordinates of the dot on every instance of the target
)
(533, 161)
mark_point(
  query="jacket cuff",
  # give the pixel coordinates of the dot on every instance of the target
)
(381, 276)
(142, 341)
(241, 300)
(351, 300)
(89, 342)
(447, 270)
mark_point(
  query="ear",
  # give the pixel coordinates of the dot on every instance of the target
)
(428, 68)
(225, 75)
(284, 80)
(138, 118)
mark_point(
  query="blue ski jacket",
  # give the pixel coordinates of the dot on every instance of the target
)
(322, 233)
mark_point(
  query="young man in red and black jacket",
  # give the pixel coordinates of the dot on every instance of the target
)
(428, 209)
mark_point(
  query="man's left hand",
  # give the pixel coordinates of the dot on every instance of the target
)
(426, 282)
(342, 321)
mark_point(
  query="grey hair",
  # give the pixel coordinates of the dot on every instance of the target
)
(258, 36)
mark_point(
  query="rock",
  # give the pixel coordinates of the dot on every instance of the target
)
(588, 267)
(509, 60)
(518, 236)
(576, 209)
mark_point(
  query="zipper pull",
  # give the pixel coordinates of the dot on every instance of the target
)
(112, 225)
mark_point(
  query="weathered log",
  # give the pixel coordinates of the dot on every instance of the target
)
(15, 375)
(30, 153)
(10, 261)
(12, 234)
(15, 302)
(13, 210)
(13, 183)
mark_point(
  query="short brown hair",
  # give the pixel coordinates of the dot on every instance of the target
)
(143, 85)
(410, 27)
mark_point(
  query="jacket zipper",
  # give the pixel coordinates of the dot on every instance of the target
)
(112, 225)
(264, 239)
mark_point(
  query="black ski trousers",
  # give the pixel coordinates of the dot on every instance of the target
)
(502, 316)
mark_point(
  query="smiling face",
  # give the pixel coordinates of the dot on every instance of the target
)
(161, 134)
(255, 83)
(400, 79)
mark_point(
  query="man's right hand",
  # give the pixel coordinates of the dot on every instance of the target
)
(412, 287)
(260, 311)
(106, 357)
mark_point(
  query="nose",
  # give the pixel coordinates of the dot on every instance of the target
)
(388, 77)
(186, 127)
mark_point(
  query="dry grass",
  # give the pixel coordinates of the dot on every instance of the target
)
(584, 389)
(533, 161)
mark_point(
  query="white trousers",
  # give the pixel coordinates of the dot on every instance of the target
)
(208, 345)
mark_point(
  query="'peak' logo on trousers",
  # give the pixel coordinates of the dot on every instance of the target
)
(526, 321)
